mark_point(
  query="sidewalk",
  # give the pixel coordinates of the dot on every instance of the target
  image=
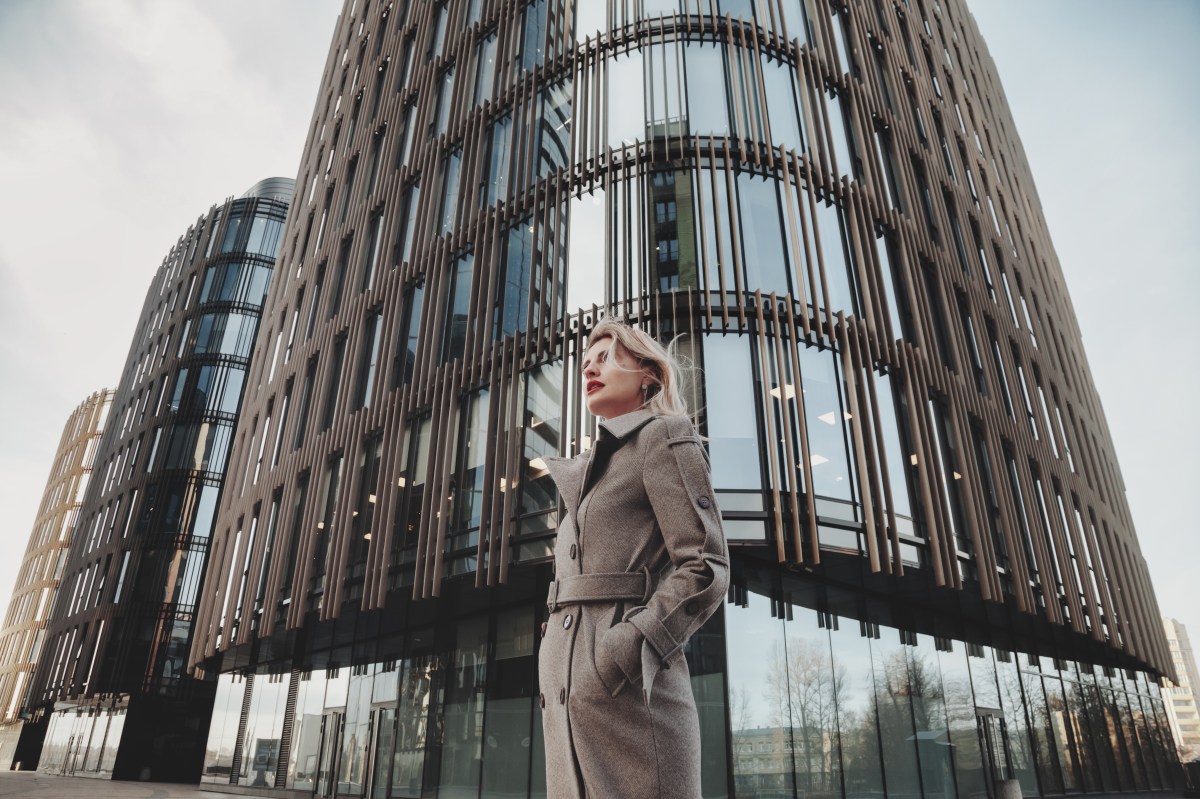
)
(31, 785)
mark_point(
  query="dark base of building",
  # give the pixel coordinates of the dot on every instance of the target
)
(145, 739)
(830, 682)
(29, 745)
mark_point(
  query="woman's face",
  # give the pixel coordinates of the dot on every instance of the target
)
(612, 381)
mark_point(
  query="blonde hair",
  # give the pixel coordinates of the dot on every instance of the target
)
(662, 397)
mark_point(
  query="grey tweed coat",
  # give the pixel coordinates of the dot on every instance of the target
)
(640, 563)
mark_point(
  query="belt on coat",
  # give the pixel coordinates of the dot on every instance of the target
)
(602, 587)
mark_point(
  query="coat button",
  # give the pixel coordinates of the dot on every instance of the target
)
(542, 700)
(691, 608)
(562, 696)
(567, 622)
(703, 502)
(574, 550)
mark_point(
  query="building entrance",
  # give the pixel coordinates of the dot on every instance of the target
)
(327, 766)
(993, 744)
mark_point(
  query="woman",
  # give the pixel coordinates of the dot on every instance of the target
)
(640, 564)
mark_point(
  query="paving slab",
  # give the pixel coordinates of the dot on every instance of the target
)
(32, 785)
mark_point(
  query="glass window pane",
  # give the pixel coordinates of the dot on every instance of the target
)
(929, 718)
(672, 234)
(455, 332)
(468, 493)
(485, 75)
(498, 171)
(450, 187)
(762, 234)
(713, 219)
(508, 720)
(830, 474)
(1040, 723)
(759, 712)
(1009, 680)
(587, 259)
(838, 280)
(729, 402)
(554, 128)
(264, 726)
(408, 760)
(707, 108)
(781, 105)
(1063, 736)
(664, 90)
(960, 712)
(542, 425)
(893, 690)
(625, 104)
(222, 730)
(356, 734)
(813, 688)
(858, 717)
(465, 690)
(513, 313)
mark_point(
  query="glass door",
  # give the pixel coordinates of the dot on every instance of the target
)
(381, 757)
(993, 743)
(331, 735)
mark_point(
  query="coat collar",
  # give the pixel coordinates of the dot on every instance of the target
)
(570, 474)
(622, 426)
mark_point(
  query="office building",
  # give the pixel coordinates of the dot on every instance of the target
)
(41, 569)
(936, 584)
(111, 695)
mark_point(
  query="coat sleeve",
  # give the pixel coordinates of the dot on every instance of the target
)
(679, 485)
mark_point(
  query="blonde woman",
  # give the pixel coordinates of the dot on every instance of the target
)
(640, 563)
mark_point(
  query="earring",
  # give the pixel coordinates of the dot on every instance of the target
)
(645, 387)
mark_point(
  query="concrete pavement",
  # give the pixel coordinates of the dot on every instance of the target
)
(31, 785)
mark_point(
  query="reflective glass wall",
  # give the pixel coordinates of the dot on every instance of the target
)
(792, 702)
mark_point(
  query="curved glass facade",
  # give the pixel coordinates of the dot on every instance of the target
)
(936, 583)
(117, 639)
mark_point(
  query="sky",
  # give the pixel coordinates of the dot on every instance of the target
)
(122, 121)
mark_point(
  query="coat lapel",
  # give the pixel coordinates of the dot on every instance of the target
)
(568, 474)
(571, 474)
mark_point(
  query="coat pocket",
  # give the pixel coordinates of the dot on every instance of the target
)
(618, 661)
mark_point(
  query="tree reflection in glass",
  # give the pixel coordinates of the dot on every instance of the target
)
(1009, 681)
(803, 671)
(858, 716)
(759, 697)
(893, 692)
(960, 716)
(412, 716)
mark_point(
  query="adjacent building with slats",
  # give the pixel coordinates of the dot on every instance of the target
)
(111, 695)
(41, 570)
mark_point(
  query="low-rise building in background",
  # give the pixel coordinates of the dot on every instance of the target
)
(41, 569)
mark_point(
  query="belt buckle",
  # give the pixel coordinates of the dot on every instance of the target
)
(552, 597)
